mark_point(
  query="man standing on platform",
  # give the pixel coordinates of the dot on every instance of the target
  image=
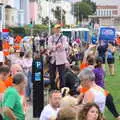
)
(57, 46)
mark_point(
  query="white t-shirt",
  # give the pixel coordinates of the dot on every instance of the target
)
(13, 58)
(2, 59)
(99, 97)
(48, 112)
(11, 40)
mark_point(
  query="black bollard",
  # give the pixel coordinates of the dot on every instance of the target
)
(38, 87)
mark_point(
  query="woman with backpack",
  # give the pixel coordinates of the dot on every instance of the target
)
(111, 58)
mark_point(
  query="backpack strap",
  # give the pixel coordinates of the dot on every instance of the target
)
(53, 40)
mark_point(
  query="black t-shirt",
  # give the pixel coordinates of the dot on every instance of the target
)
(102, 50)
(71, 81)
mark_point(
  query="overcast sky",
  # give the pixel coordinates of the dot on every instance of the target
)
(101, 2)
(107, 2)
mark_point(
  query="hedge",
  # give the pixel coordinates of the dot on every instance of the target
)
(26, 30)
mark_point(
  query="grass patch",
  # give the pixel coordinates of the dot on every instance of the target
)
(113, 85)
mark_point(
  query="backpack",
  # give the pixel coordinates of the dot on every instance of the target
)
(110, 55)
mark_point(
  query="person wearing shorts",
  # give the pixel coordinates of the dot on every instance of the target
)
(111, 58)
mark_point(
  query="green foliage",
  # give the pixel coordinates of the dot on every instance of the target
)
(45, 20)
(92, 4)
(57, 14)
(83, 9)
(26, 30)
(17, 31)
(40, 28)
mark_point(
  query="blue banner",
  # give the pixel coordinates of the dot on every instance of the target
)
(107, 34)
(5, 35)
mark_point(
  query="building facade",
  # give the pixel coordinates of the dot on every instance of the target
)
(12, 13)
(33, 11)
(24, 5)
(47, 6)
(10, 17)
(107, 10)
(107, 15)
(6, 9)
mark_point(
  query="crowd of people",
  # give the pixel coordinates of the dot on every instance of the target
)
(76, 76)
(15, 84)
(81, 71)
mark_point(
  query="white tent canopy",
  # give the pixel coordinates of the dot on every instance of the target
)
(75, 29)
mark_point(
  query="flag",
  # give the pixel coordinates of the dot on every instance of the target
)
(5, 34)
(5, 30)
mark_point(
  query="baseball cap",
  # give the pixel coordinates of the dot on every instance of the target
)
(57, 26)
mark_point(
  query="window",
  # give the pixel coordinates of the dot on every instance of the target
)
(104, 13)
(101, 12)
(107, 14)
(98, 12)
(110, 12)
(12, 18)
(6, 17)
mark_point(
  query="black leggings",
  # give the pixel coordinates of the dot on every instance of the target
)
(111, 106)
(1, 118)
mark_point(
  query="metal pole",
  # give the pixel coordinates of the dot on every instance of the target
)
(78, 14)
(31, 31)
(61, 14)
(1, 17)
(49, 24)
(74, 12)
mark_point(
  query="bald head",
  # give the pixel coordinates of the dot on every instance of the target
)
(15, 68)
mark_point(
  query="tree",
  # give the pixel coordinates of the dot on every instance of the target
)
(82, 10)
(45, 20)
(57, 14)
(53, 0)
(92, 4)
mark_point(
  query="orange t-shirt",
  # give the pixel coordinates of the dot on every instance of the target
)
(6, 53)
(83, 65)
(83, 90)
(18, 39)
(9, 82)
(6, 47)
(2, 86)
(16, 47)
